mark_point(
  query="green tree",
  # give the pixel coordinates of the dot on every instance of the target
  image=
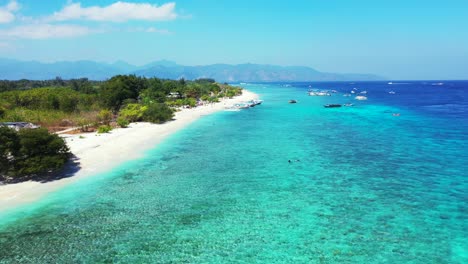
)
(193, 90)
(2, 112)
(156, 92)
(119, 88)
(9, 148)
(122, 122)
(158, 113)
(40, 152)
(190, 102)
(133, 112)
(30, 152)
(105, 116)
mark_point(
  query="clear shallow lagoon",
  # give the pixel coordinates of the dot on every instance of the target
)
(370, 187)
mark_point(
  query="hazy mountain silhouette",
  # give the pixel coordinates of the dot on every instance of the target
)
(14, 69)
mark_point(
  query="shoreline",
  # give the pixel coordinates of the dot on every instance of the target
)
(91, 151)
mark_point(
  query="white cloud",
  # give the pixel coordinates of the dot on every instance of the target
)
(13, 6)
(7, 12)
(45, 31)
(116, 12)
(50, 27)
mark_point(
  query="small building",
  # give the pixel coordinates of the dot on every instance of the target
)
(174, 95)
(19, 125)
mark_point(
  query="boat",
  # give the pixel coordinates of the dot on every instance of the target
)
(319, 93)
(251, 103)
(360, 97)
(347, 95)
(363, 92)
(332, 105)
(292, 101)
(349, 104)
(353, 92)
(257, 102)
(391, 92)
(390, 83)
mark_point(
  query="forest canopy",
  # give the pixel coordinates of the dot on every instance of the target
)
(64, 103)
(88, 106)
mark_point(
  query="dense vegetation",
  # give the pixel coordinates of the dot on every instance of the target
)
(89, 105)
(30, 153)
(82, 84)
(58, 103)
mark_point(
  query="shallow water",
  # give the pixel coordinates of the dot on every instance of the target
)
(369, 187)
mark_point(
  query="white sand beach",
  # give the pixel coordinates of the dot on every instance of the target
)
(101, 152)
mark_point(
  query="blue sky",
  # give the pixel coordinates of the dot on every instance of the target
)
(397, 39)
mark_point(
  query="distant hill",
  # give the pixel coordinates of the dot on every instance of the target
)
(250, 73)
(33, 70)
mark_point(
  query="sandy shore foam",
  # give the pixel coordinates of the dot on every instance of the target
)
(99, 153)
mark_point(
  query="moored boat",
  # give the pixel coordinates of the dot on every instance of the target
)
(360, 97)
(319, 93)
(332, 105)
(251, 103)
(292, 101)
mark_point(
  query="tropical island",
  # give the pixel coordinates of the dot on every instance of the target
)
(84, 121)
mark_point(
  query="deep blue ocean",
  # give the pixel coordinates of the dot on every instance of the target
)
(382, 181)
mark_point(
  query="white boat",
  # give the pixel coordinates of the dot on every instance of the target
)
(347, 95)
(319, 93)
(391, 92)
(253, 103)
(360, 97)
(363, 92)
(353, 92)
(323, 93)
(390, 83)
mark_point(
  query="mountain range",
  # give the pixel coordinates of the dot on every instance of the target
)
(15, 69)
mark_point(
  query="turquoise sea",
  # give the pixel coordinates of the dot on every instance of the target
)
(364, 186)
